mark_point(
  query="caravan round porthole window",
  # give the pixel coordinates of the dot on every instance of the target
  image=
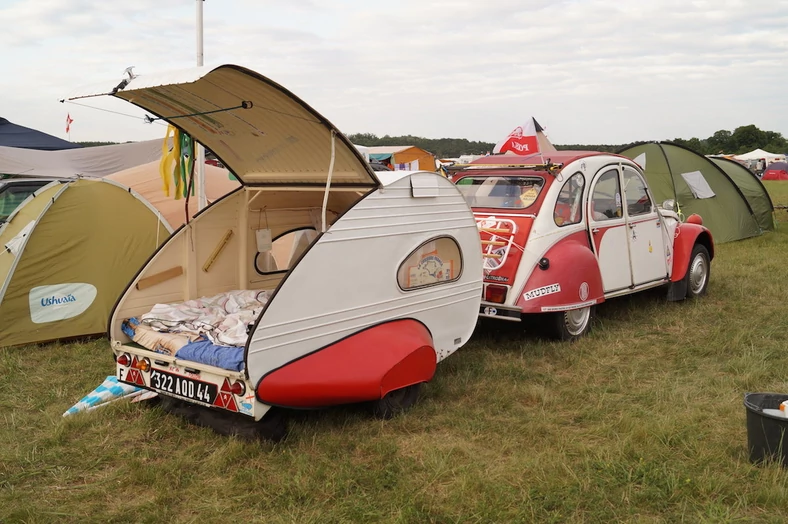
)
(437, 261)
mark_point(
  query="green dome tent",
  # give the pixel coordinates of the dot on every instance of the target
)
(68, 251)
(752, 189)
(698, 185)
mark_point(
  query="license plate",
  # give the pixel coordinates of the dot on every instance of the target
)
(183, 386)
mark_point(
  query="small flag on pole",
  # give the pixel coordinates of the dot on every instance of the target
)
(68, 122)
(521, 141)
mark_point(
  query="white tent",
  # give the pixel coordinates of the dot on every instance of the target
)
(96, 161)
(364, 150)
(757, 154)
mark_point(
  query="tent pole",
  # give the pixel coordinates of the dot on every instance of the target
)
(199, 151)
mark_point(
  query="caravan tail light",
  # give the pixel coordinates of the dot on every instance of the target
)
(143, 364)
(495, 293)
(124, 360)
(238, 388)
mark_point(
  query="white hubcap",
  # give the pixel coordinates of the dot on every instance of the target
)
(576, 320)
(698, 274)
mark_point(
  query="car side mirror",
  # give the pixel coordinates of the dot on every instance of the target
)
(669, 204)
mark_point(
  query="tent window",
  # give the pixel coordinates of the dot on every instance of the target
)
(285, 251)
(697, 184)
(437, 261)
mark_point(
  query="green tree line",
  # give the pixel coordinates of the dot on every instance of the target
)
(740, 140)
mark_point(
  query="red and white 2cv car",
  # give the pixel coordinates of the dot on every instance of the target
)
(565, 233)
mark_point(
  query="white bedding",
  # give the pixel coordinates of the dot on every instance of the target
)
(223, 318)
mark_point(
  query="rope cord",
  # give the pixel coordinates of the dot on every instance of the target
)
(328, 179)
(113, 112)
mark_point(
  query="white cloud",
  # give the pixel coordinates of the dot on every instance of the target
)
(591, 71)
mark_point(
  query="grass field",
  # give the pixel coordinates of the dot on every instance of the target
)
(641, 421)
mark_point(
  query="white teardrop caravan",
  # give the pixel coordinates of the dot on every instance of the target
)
(314, 284)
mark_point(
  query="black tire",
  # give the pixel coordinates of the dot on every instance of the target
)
(569, 326)
(698, 272)
(273, 425)
(395, 402)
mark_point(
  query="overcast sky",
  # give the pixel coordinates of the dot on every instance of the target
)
(590, 71)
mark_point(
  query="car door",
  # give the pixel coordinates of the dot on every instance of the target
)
(609, 230)
(646, 237)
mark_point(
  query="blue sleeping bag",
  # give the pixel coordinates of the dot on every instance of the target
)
(205, 352)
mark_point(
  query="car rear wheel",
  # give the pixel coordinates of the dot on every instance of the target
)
(396, 401)
(698, 272)
(573, 324)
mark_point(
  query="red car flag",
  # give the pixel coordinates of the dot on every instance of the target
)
(68, 122)
(521, 141)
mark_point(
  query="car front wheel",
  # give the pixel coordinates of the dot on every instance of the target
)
(698, 271)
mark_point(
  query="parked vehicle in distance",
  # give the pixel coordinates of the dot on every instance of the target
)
(14, 191)
(563, 234)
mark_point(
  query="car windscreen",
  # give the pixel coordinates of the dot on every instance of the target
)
(505, 192)
(13, 195)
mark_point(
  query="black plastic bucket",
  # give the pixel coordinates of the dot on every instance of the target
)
(766, 433)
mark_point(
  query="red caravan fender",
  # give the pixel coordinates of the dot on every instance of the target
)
(359, 368)
(574, 268)
(686, 236)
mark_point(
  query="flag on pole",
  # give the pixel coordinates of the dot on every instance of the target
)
(521, 141)
(68, 122)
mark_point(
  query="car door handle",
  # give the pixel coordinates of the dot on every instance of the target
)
(632, 226)
(595, 230)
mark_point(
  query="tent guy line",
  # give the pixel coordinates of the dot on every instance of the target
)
(144, 118)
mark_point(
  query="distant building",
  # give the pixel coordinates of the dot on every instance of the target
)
(408, 158)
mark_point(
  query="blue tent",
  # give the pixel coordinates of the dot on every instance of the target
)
(12, 135)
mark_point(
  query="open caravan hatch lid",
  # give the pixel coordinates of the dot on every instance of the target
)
(261, 131)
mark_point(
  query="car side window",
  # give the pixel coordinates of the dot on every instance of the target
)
(638, 201)
(569, 204)
(606, 198)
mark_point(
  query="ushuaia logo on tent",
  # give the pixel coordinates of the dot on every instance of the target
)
(54, 301)
(60, 301)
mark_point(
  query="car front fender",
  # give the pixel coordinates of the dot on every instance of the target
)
(685, 238)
